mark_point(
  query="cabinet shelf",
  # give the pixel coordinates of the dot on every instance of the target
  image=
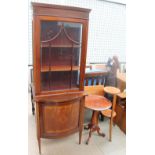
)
(60, 46)
(59, 68)
(57, 86)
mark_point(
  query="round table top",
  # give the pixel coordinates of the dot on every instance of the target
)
(111, 90)
(97, 103)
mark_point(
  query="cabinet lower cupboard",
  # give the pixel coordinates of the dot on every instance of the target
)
(120, 118)
(59, 57)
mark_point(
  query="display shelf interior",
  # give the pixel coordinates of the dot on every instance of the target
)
(59, 68)
(60, 57)
(59, 86)
(56, 33)
(60, 49)
(59, 80)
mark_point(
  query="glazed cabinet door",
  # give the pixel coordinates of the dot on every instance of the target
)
(60, 55)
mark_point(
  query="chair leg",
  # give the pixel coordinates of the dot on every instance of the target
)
(101, 117)
(33, 108)
(80, 136)
(110, 129)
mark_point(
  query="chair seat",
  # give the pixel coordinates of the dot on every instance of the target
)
(107, 113)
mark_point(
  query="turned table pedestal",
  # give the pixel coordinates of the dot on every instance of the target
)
(96, 103)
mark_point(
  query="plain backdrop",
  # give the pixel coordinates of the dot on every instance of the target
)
(14, 77)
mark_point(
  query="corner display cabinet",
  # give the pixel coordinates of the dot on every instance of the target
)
(59, 57)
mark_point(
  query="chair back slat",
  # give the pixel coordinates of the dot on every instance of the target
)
(97, 80)
(103, 80)
(87, 79)
(93, 81)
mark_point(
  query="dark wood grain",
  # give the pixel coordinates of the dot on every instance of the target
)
(96, 103)
(60, 11)
(59, 107)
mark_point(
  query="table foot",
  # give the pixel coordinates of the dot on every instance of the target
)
(87, 127)
(93, 128)
(99, 133)
(90, 132)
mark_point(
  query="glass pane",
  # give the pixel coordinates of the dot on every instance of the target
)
(60, 55)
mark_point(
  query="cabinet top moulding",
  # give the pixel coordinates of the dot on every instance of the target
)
(40, 9)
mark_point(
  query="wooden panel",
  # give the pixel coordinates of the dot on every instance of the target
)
(121, 85)
(83, 55)
(95, 90)
(123, 127)
(120, 118)
(60, 118)
(62, 11)
(36, 54)
(61, 97)
(121, 81)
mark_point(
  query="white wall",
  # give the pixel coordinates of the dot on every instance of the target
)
(106, 28)
(118, 1)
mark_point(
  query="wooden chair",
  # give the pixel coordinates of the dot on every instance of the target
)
(110, 113)
(95, 77)
(94, 90)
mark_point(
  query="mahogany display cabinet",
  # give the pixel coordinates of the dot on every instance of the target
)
(59, 56)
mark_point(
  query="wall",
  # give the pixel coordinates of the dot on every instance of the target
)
(106, 28)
